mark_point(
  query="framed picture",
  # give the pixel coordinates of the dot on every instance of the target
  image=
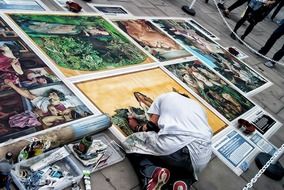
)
(24, 5)
(114, 10)
(133, 93)
(22, 70)
(152, 39)
(209, 52)
(79, 44)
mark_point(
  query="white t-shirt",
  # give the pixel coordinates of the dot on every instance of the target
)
(182, 122)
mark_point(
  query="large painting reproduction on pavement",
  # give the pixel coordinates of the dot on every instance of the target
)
(131, 93)
(213, 55)
(152, 39)
(214, 90)
(80, 44)
(33, 98)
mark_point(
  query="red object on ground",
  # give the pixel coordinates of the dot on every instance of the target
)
(73, 7)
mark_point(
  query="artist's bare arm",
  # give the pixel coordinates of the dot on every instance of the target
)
(21, 91)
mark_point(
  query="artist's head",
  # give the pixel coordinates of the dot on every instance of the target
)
(55, 95)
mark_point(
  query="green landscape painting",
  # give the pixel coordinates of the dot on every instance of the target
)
(80, 44)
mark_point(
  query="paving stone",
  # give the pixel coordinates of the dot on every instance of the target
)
(272, 103)
(137, 188)
(121, 175)
(100, 182)
(282, 99)
(217, 176)
(281, 114)
(276, 91)
(263, 183)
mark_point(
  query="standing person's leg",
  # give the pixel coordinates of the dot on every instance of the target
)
(151, 176)
(237, 4)
(241, 22)
(248, 30)
(272, 39)
(280, 5)
(279, 54)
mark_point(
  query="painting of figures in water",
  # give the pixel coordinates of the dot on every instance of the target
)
(80, 44)
(213, 55)
(33, 98)
(214, 90)
(152, 39)
(133, 93)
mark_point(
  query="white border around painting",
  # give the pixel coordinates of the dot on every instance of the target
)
(63, 6)
(241, 55)
(202, 29)
(22, 3)
(93, 6)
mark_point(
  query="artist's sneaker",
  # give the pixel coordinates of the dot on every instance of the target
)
(159, 178)
(269, 64)
(180, 185)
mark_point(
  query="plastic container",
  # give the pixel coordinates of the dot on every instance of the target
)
(115, 154)
(66, 163)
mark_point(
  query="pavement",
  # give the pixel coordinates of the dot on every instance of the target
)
(217, 176)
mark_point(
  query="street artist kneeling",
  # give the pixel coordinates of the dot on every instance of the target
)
(173, 147)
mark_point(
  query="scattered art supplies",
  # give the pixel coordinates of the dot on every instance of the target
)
(51, 170)
(101, 153)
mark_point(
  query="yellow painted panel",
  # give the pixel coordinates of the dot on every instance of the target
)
(112, 93)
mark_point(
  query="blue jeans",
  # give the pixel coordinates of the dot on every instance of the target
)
(179, 164)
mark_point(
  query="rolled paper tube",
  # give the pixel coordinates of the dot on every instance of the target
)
(63, 135)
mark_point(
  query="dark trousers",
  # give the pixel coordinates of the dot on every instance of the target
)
(271, 41)
(248, 12)
(280, 5)
(179, 164)
(237, 4)
(279, 54)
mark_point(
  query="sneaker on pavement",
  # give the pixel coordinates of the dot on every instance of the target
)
(180, 185)
(221, 6)
(159, 178)
(269, 64)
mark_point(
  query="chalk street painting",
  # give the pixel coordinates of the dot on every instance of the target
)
(133, 93)
(152, 39)
(33, 98)
(216, 57)
(80, 44)
(214, 90)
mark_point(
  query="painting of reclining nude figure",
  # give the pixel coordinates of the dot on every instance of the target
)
(133, 93)
(152, 39)
(80, 44)
(214, 90)
(216, 57)
(33, 98)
